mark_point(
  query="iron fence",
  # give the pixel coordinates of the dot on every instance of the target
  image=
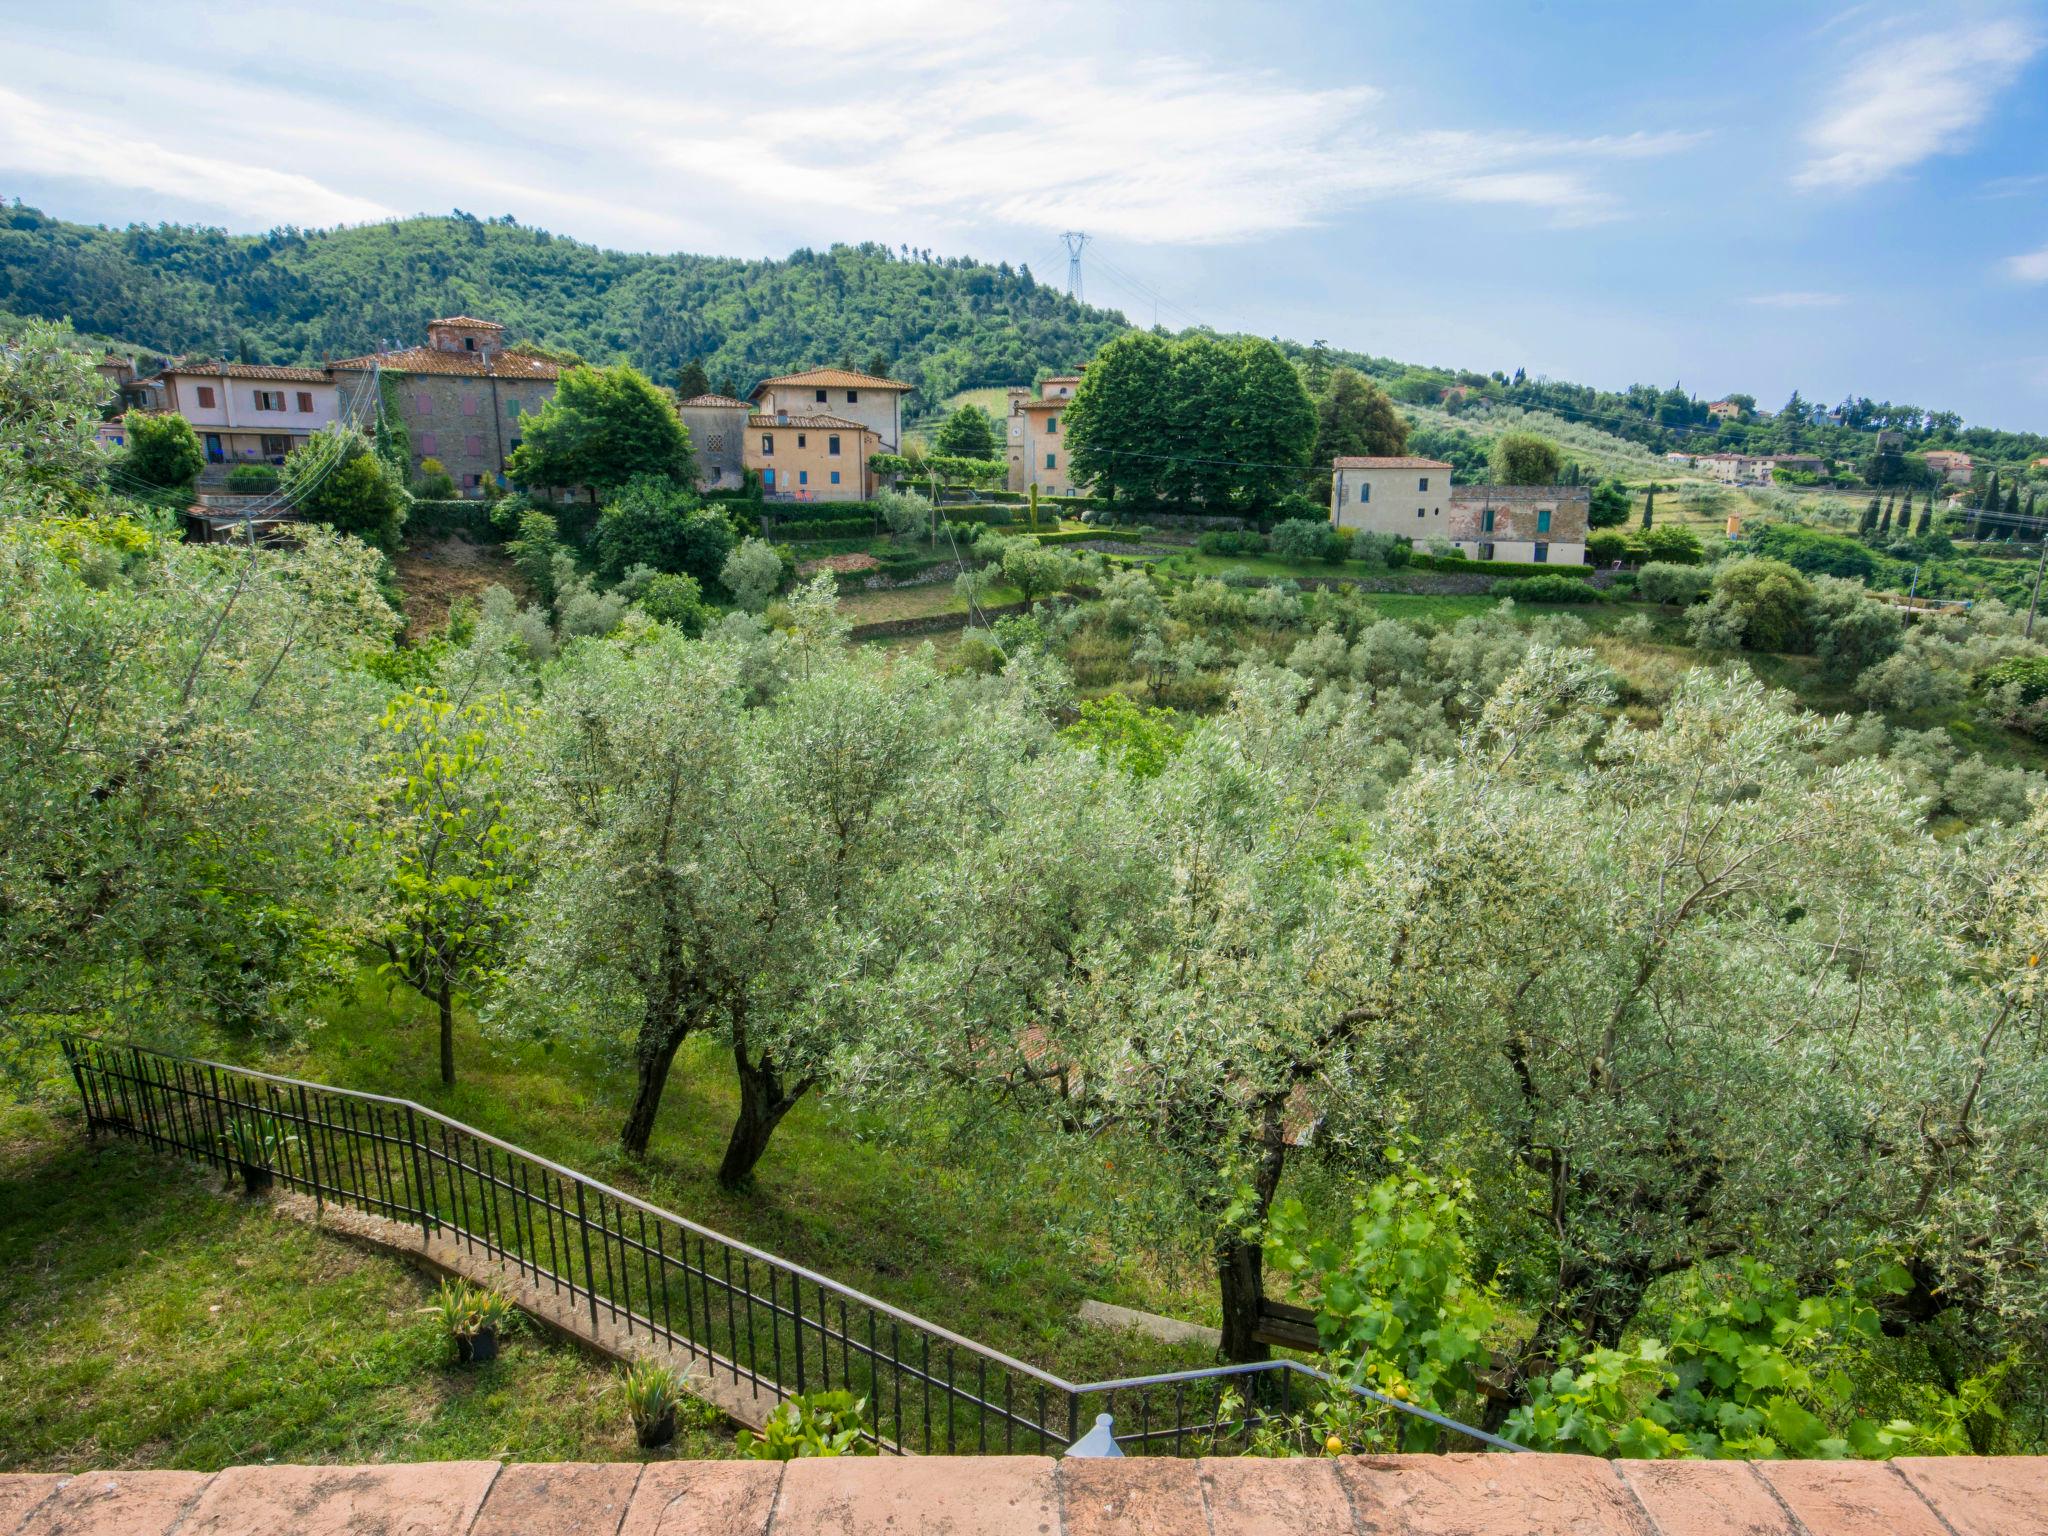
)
(743, 1314)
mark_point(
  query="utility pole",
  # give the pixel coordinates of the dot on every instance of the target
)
(1075, 239)
(2040, 565)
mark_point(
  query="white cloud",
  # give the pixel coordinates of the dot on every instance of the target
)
(51, 141)
(1798, 298)
(1910, 97)
(734, 126)
(2030, 266)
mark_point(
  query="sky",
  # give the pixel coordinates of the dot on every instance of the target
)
(1737, 197)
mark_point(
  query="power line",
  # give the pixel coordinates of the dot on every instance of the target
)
(1074, 239)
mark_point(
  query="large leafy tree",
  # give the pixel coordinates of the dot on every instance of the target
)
(601, 428)
(1524, 458)
(1119, 426)
(967, 434)
(1353, 417)
(656, 522)
(337, 477)
(163, 451)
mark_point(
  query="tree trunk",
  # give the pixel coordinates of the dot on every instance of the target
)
(654, 1064)
(1240, 1268)
(763, 1103)
(1241, 1261)
(444, 1000)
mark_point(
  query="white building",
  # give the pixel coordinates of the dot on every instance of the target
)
(1414, 498)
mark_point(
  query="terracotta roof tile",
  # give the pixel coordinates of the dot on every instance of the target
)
(706, 402)
(835, 423)
(264, 372)
(506, 365)
(1379, 463)
(467, 323)
(833, 378)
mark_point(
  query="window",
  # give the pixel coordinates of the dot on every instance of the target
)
(1364, 492)
(429, 445)
(803, 477)
(206, 396)
(1542, 554)
(474, 445)
(1422, 484)
(1422, 511)
(469, 345)
(423, 401)
(715, 443)
(512, 446)
(471, 404)
(1052, 423)
(1486, 521)
(821, 397)
(835, 477)
(853, 397)
(269, 399)
(514, 406)
(802, 441)
(768, 479)
(473, 481)
(306, 402)
(1543, 522)
(1051, 459)
(832, 445)
(1486, 551)
(767, 445)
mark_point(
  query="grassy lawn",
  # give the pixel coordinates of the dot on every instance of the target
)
(998, 1234)
(146, 1319)
(919, 602)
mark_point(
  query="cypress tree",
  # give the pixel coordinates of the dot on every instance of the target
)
(1649, 505)
(1926, 523)
(1869, 523)
(1884, 521)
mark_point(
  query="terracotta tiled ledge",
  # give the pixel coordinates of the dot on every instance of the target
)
(1493, 1495)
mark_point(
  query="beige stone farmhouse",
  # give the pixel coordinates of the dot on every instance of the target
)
(1414, 498)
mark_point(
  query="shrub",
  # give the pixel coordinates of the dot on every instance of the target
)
(1523, 458)
(1604, 546)
(675, 600)
(1547, 589)
(901, 513)
(435, 483)
(1304, 539)
(252, 479)
(1672, 543)
(163, 451)
(752, 573)
(1381, 549)
(1850, 629)
(2028, 674)
(1233, 542)
(1814, 552)
(1675, 586)
(658, 523)
(802, 529)
(1760, 605)
(335, 477)
(815, 1424)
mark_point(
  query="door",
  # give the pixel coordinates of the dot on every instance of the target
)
(213, 452)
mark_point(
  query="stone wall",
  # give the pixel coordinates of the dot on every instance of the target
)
(1499, 1494)
(1515, 509)
(470, 424)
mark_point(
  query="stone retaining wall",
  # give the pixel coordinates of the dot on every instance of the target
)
(1476, 1495)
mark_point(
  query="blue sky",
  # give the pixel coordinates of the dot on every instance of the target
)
(1731, 197)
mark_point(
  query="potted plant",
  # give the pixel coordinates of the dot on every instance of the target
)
(652, 1391)
(474, 1318)
(255, 1143)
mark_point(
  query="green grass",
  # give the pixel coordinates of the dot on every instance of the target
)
(928, 600)
(999, 1235)
(148, 1319)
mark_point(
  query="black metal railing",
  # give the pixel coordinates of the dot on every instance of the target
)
(743, 1314)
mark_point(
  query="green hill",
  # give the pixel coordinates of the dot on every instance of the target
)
(302, 295)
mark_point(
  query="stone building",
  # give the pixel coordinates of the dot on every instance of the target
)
(718, 433)
(1037, 447)
(872, 403)
(1414, 498)
(803, 457)
(462, 397)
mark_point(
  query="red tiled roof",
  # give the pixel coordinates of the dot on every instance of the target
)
(833, 378)
(705, 402)
(835, 423)
(263, 372)
(506, 365)
(1048, 405)
(467, 323)
(1379, 463)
